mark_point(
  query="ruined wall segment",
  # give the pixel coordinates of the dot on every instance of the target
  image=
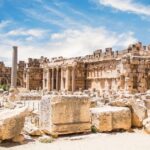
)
(5, 74)
(104, 70)
(33, 75)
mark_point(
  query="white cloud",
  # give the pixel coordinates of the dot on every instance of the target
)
(127, 5)
(69, 43)
(73, 42)
(4, 24)
(27, 32)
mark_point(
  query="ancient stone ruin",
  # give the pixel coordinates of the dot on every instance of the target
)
(103, 92)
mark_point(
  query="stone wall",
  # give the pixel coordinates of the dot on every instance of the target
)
(108, 70)
(33, 75)
(5, 74)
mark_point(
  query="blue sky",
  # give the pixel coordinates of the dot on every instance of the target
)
(71, 27)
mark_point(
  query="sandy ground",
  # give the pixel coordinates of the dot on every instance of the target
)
(100, 141)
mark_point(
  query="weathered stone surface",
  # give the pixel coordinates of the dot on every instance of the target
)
(138, 109)
(65, 114)
(111, 118)
(146, 125)
(12, 122)
(32, 130)
(139, 112)
(19, 139)
(30, 96)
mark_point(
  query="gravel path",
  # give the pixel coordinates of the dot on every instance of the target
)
(101, 141)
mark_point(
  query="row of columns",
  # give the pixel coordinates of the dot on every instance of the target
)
(59, 79)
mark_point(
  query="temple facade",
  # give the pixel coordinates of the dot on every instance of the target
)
(126, 70)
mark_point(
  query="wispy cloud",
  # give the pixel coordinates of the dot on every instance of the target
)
(4, 23)
(72, 32)
(73, 42)
(27, 32)
(34, 14)
(53, 14)
(127, 5)
(68, 43)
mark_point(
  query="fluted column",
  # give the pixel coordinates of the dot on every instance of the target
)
(67, 79)
(48, 80)
(73, 78)
(27, 80)
(14, 67)
(62, 82)
(43, 79)
(52, 78)
(57, 79)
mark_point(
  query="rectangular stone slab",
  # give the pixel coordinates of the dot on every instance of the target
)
(65, 114)
(109, 118)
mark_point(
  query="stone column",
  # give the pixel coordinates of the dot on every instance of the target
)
(27, 80)
(48, 80)
(52, 78)
(14, 67)
(62, 82)
(57, 79)
(43, 79)
(73, 78)
(67, 79)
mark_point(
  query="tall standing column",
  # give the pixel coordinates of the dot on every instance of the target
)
(57, 79)
(62, 82)
(48, 80)
(73, 78)
(67, 79)
(27, 80)
(52, 78)
(43, 79)
(14, 67)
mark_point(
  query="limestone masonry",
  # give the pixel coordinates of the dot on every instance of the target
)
(103, 92)
(108, 71)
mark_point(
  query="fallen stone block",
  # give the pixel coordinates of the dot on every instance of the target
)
(138, 109)
(146, 125)
(12, 122)
(19, 139)
(110, 118)
(65, 114)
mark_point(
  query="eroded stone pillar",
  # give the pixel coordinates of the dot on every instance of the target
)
(27, 80)
(14, 67)
(62, 82)
(57, 79)
(73, 78)
(67, 79)
(48, 80)
(52, 78)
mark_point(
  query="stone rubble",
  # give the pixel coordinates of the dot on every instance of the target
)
(32, 130)
(12, 122)
(108, 91)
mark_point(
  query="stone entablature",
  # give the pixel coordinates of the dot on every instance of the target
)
(103, 71)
